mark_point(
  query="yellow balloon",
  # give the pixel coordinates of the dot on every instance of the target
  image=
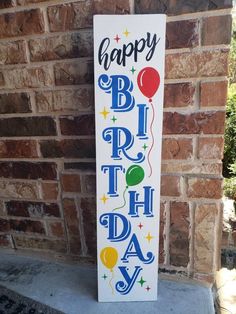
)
(109, 257)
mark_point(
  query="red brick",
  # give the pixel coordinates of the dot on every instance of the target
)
(88, 206)
(161, 234)
(78, 15)
(216, 30)
(170, 186)
(23, 242)
(176, 7)
(205, 215)
(74, 73)
(28, 170)
(2, 79)
(196, 64)
(213, 94)
(4, 225)
(50, 191)
(89, 184)
(56, 229)
(29, 77)
(71, 216)
(80, 125)
(30, 126)
(70, 183)
(70, 16)
(62, 47)
(177, 149)
(79, 100)
(182, 34)
(17, 189)
(72, 224)
(32, 209)
(211, 148)
(7, 4)
(179, 95)
(21, 23)
(26, 226)
(13, 52)
(15, 103)
(179, 233)
(81, 148)
(204, 188)
(18, 149)
(5, 240)
(81, 166)
(211, 122)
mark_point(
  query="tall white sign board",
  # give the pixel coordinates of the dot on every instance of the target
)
(129, 82)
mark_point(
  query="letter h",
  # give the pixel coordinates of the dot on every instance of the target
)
(147, 204)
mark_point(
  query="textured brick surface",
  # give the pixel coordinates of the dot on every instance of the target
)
(177, 149)
(71, 183)
(182, 34)
(30, 22)
(196, 64)
(33, 126)
(170, 186)
(23, 242)
(79, 99)
(81, 148)
(61, 47)
(195, 123)
(14, 103)
(81, 125)
(211, 148)
(204, 188)
(216, 30)
(14, 189)
(28, 170)
(29, 77)
(26, 226)
(13, 52)
(7, 4)
(50, 191)
(161, 234)
(175, 7)
(88, 206)
(18, 149)
(79, 15)
(72, 224)
(73, 73)
(179, 95)
(179, 233)
(32, 209)
(204, 237)
(213, 94)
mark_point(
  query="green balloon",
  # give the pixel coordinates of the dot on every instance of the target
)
(134, 175)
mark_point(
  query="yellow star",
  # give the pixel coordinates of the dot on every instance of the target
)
(126, 33)
(104, 198)
(149, 237)
(104, 113)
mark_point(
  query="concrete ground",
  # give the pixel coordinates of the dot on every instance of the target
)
(73, 289)
(226, 291)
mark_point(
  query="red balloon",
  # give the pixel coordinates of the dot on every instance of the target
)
(148, 81)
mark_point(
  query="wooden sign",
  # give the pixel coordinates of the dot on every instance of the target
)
(129, 80)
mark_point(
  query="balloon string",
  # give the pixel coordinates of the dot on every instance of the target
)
(149, 152)
(124, 200)
(112, 277)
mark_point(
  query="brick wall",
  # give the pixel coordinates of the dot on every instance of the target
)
(47, 155)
